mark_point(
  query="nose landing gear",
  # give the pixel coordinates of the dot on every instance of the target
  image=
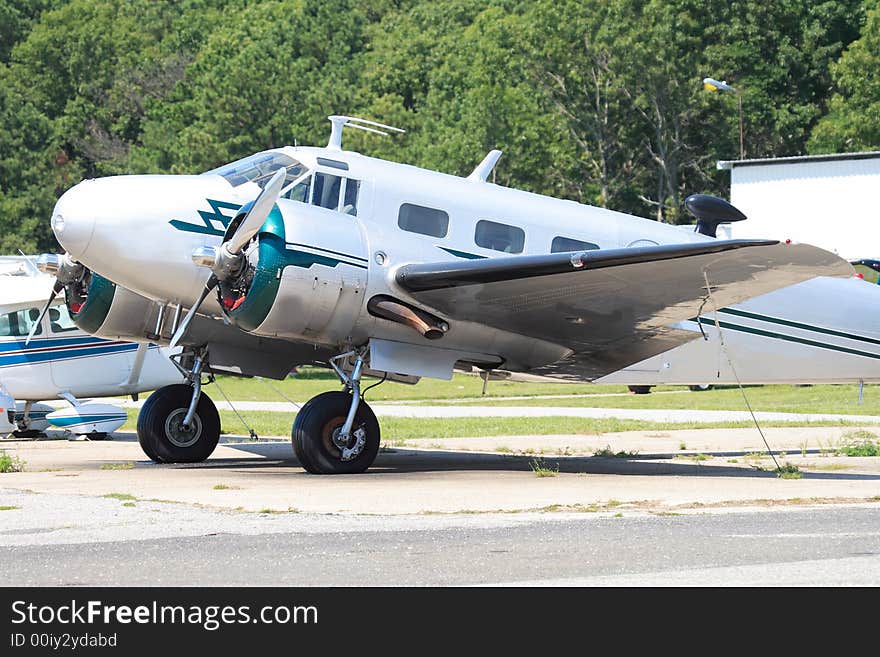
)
(179, 424)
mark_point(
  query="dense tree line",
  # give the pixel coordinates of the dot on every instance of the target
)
(600, 101)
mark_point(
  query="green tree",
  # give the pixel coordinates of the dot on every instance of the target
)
(853, 119)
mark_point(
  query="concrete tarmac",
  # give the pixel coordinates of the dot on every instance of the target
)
(666, 508)
(663, 470)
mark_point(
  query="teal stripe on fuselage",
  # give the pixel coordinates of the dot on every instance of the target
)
(798, 325)
(787, 338)
(462, 254)
(85, 419)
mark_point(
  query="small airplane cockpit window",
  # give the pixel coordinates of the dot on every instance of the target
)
(422, 220)
(299, 192)
(19, 323)
(60, 321)
(259, 168)
(499, 237)
(565, 244)
(350, 200)
(326, 192)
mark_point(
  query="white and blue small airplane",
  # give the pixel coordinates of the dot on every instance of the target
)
(47, 357)
(305, 255)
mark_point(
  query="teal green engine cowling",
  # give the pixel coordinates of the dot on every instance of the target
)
(248, 308)
(89, 301)
(291, 285)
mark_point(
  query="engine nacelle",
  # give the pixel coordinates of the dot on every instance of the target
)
(98, 306)
(280, 292)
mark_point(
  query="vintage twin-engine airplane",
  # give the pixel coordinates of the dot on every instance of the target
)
(44, 356)
(302, 255)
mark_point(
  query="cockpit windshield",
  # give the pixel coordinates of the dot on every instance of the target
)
(259, 168)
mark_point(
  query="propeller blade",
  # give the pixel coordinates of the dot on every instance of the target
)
(178, 334)
(256, 216)
(55, 290)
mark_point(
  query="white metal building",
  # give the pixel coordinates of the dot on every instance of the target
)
(830, 201)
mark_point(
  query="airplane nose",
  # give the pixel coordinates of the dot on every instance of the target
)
(73, 219)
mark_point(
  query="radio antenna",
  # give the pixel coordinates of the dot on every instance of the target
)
(339, 122)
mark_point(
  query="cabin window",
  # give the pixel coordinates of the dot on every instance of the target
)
(565, 244)
(60, 321)
(326, 191)
(350, 196)
(499, 237)
(300, 192)
(422, 220)
(18, 324)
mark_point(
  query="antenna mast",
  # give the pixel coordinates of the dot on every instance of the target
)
(339, 122)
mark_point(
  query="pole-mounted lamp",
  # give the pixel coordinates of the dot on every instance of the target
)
(711, 84)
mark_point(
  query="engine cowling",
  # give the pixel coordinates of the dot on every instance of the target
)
(279, 292)
(100, 307)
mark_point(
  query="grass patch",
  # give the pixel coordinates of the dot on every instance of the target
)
(859, 434)
(9, 508)
(128, 465)
(277, 511)
(693, 457)
(128, 504)
(789, 471)
(859, 443)
(541, 469)
(120, 496)
(607, 452)
(10, 463)
(225, 487)
(831, 467)
(826, 398)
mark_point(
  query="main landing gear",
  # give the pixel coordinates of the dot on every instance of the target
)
(336, 432)
(177, 423)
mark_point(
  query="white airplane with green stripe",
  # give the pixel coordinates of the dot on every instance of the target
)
(320, 255)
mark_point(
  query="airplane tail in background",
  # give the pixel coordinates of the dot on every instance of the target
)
(825, 330)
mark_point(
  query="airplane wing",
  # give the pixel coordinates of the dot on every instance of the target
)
(612, 307)
(19, 292)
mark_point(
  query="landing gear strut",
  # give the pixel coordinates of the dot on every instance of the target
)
(25, 424)
(177, 423)
(337, 432)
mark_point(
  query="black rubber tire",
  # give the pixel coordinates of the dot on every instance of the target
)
(640, 390)
(96, 436)
(29, 433)
(313, 430)
(301, 456)
(700, 388)
(155, 414)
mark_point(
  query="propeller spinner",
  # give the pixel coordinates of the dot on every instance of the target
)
(66, 271)
(226, 260)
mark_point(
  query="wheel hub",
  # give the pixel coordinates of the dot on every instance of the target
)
(180, 435)
(350, 447)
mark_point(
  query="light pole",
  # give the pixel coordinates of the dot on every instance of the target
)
(711, 84)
